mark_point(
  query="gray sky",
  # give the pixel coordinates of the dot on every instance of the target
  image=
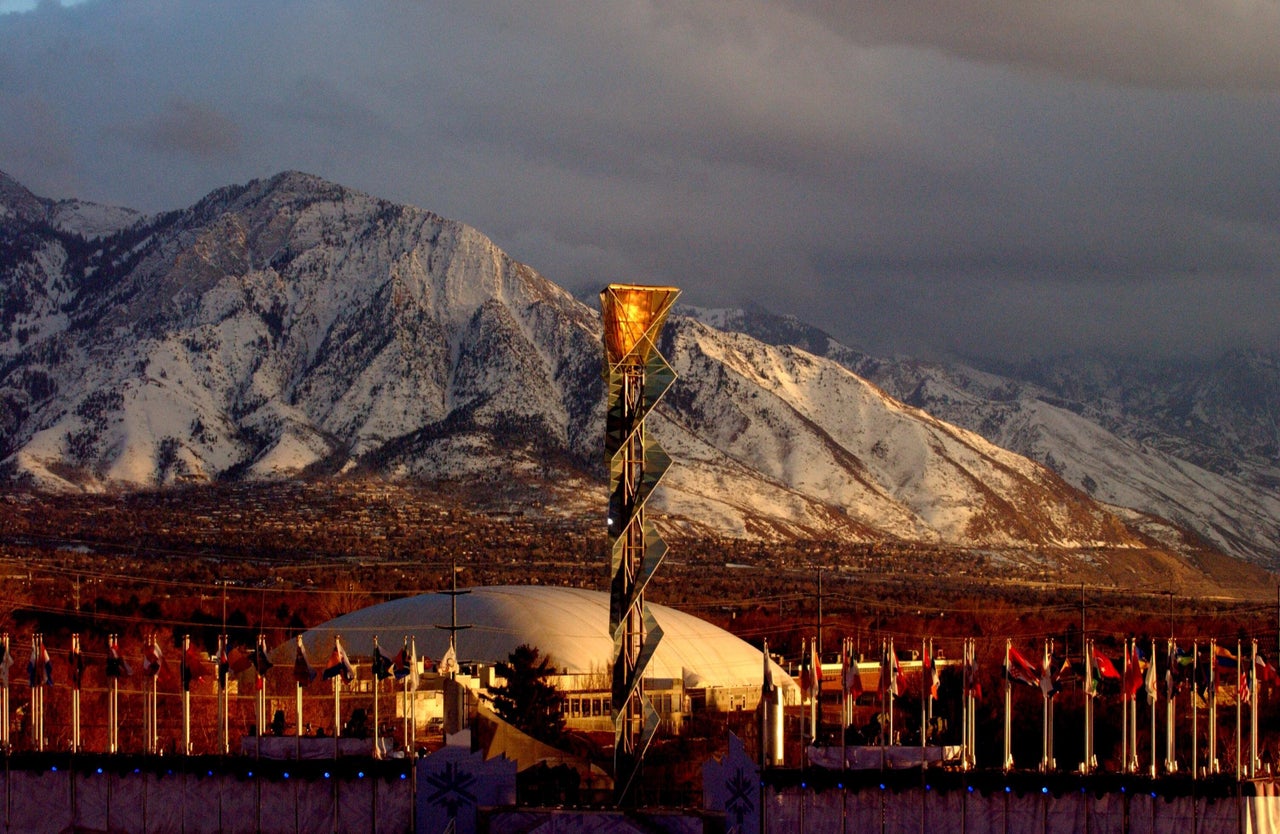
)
(1002, 178)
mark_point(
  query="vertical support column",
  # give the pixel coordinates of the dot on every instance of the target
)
(637, 376)
(6, 661)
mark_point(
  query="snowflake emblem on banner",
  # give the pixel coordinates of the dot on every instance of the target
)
(741, 796)
(452, 788)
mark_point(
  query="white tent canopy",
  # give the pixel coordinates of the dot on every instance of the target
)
(570, 625)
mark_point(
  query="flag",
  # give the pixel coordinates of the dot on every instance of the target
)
(400, 663)
(1020, 669)
(1153, 689)
(1244, 690)
(1265, 672)
(117, 666)
(806, 673)
(767, 687)
(449, 663)
(75, 665)
(381, 664)
(971, 683)
(850, 679)
(224, 663)
(152, 657)
(929, 679)
(1103, 667)
(261, 663)
(6, 661)
(1224, 658)
(40, 666)
(1048, 679)
(239, 659)
(339, 664)
(193, 667)
(1132, 674)
(303, 674)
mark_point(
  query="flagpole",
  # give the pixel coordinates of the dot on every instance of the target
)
(1170, 761)
(1212, 763)
(924, 697)
(5, 662)
(377, 728)
(1087, 685)
(37, 692)
(224, 695)
(893, 687)
(1008, 707)
(1195, 709)
(970, 675)
(297, 699)
(1044, 698)
(337, 703)
(1124, 712)
(75, 696)
(186, 697)
(260, 692)
(1253, 711)
(113, 701)
(152, 703)
(886, 670)
(404, 701)
(413, 690)
(1239, 710)
(1153, 696)
(1133, 708)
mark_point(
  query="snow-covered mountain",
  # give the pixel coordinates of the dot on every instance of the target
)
(1195, 443)
(291, 326)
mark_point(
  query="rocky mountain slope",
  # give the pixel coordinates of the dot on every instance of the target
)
(1195, 443)
(293, 327)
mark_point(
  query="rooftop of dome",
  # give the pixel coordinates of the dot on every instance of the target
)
(569, 625)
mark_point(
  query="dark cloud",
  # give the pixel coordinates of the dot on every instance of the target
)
(186, 127)
(992, 178)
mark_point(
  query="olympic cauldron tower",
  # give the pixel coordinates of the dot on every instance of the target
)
(637, 376)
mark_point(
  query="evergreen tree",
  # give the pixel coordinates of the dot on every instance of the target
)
(526, 699)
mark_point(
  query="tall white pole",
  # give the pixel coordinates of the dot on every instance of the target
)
(973, 703)
(1090, 694)
(1239, 712)
(113, 698)
(1195, 709)
(37, 692)
(413, 692)
(7, 660)
(893, 687)
(1153, 698)
(377, 727)
(1124, 715)
(77, 662)
(260, 690)
(337, 705)
(224, 698)
(1253, 710)
(924, 696)
(1212, 762)
(1170, 759)
(1008, 711)
(186, 697)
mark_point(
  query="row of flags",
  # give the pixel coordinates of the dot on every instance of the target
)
(194, 666)
(1140, 674)
(1051, 674)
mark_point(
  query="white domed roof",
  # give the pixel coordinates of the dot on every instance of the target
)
(570, 625)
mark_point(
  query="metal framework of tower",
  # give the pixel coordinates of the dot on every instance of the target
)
(637, 376)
